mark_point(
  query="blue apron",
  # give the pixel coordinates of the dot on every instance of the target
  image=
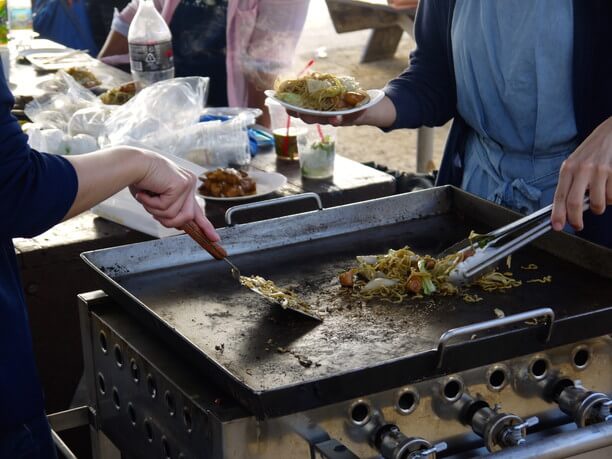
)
(513, 67)
(198, 39)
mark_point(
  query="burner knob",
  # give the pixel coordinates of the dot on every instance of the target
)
(584, 406)
(514, 435)
(391, 442)
(394, 444)
(430, 453)
(499, 430)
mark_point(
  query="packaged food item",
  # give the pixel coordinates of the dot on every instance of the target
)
(120, 95)
(84, 77)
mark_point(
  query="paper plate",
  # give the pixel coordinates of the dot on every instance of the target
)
(376, 95)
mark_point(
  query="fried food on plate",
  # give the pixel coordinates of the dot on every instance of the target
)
(227, 183)
(322, 91)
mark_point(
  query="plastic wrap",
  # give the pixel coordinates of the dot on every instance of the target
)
(90, 120)
(54, 109)
(211, 144)
(157, 110)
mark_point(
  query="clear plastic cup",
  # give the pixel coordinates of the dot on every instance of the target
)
(318, 157)
(289, 138)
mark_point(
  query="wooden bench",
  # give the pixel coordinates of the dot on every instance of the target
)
(388, 23)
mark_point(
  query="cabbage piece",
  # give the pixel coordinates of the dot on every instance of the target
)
(317, 85)
(367, 259)
(290, 98)
(378, 283)
(349, 83)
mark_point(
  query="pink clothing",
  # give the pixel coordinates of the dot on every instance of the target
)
(166, 7)
(261, 40)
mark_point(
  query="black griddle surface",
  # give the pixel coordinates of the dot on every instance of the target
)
(264, 348)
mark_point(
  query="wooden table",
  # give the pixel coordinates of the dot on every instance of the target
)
(388, 23)
(53, 273)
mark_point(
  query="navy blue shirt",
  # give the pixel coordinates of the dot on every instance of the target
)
(36, 192)
(425, 94)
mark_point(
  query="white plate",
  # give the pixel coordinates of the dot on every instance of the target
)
(39, 58)
(267, 182)
(376, 95)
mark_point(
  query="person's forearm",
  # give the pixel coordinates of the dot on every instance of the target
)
(104, 173)
(381, 115)
(115, 44)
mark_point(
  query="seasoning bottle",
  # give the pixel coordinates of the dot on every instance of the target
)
(150, 45)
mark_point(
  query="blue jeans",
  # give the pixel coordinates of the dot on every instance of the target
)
(31, 440)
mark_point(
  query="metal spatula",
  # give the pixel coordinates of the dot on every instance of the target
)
(219, 253)
(484, 251)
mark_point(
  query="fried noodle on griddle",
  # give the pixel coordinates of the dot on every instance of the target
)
(401, 273)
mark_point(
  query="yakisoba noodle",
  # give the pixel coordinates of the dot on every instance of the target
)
(269, 289)
(321, 91)
(402, 273)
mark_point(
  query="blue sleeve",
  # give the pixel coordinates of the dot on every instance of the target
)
(36, 189)
(424, 94)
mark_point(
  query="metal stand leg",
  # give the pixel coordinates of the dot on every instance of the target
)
(424, 149)
(102, 447)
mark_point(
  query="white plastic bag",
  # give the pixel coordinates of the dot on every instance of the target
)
(162, 108)
(54, 110)
(90, 120)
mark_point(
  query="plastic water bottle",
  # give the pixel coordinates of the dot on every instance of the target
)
(20, 19)
(150, 44)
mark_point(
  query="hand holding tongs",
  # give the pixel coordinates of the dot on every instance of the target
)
(490, 248)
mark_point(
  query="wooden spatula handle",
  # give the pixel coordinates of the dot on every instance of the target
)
(198, 235)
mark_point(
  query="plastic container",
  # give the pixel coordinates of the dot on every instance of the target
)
(122, 208)
(150, 45)
(212, 144)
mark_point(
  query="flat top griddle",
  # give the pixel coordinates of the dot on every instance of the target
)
(257, 350)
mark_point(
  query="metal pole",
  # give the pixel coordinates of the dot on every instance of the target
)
(425, 140)
(563, 445)
(62, 446)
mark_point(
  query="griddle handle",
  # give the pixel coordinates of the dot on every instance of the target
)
(270, 202)
(469, 330)
(198, 235)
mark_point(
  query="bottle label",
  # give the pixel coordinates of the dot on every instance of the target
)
(153, 57)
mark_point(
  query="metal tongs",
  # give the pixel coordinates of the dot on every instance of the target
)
(482, 252)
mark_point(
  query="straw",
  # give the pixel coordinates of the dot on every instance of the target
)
(320, 131)
(306, 67)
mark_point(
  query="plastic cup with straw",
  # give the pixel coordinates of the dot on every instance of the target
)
(286, 151)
